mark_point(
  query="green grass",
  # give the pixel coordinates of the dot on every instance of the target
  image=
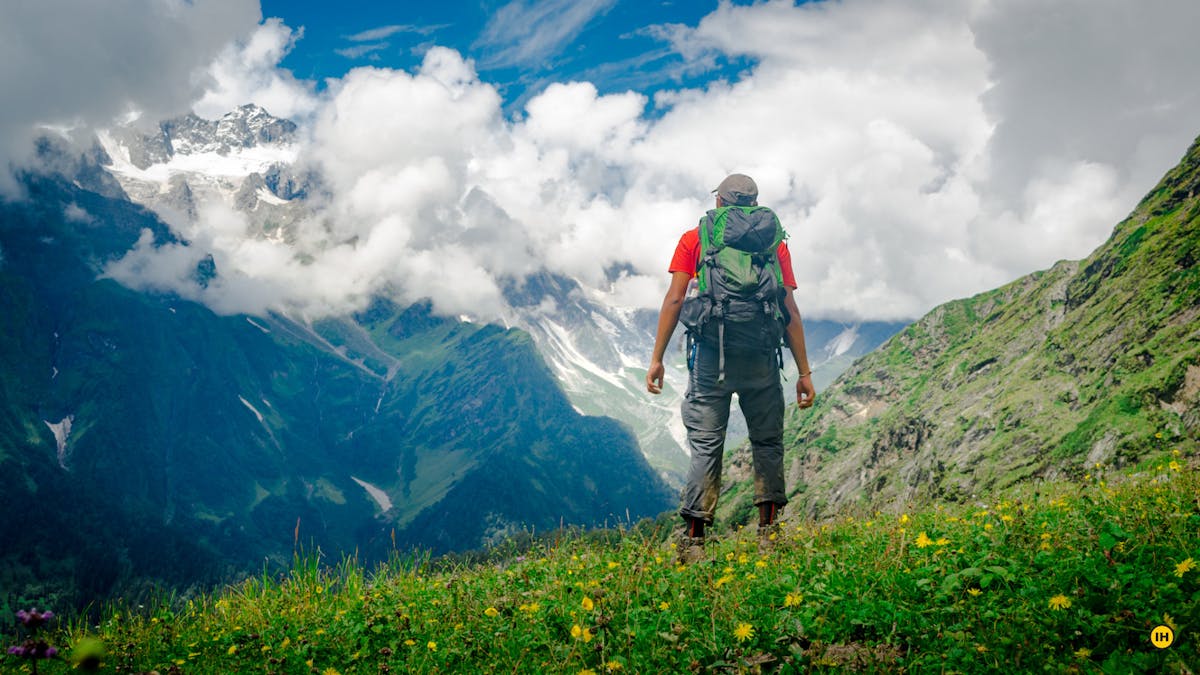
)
(1063, 576)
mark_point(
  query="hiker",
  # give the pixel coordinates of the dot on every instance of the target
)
(738, 311)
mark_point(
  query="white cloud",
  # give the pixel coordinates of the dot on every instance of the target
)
(384, 32)
(916, 151)
(247, 71)
(77, 214)
(80, 64)
(359, 51)
(527, 32)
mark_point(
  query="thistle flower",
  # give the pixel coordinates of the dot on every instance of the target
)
(34, 619)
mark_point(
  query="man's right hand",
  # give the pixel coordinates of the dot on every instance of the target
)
(654, 377)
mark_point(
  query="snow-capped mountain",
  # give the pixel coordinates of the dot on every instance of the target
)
(599, 355)
(243, 160)
(597, 351)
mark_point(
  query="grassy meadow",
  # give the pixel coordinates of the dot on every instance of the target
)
(1063, 576)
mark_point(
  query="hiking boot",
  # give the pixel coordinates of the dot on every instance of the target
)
(689, 550)
(768, 535)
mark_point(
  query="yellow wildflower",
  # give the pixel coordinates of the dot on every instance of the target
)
(1082, 653)
(330, 671)
(492, 612)
(903, 518)
(432, 646)
(792, 600)
(1006, 518)
(587, 671)
(722, 581)
(1174, 466)
(743, 632)
(612, 564)
(587, 603)
(923, 540)
(1183, 567)
(578, 633)
(613, 666)
(664, 605)
(1060, 601)
(974, 591)
(407, 643)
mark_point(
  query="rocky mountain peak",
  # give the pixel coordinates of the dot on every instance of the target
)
(246, 127)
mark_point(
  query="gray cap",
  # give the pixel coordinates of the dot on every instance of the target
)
(738, 189)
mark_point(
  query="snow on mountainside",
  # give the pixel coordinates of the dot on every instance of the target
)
(597, 351)
(242, 160)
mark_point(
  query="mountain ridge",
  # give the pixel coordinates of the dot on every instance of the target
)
(597, 352)
(1094, 362)
(134, 418)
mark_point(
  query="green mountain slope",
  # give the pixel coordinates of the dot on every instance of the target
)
(146, 441)
(1091, 362)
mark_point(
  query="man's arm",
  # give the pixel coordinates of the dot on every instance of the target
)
(805, 393)
(668, 316)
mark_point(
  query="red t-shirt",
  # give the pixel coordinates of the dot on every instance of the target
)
(687, 257)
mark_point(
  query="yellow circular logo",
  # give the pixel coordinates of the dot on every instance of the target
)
(1162, 637)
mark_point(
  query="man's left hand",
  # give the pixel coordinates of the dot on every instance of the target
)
(805, 392)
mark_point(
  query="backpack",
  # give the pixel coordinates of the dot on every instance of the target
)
(738, 304)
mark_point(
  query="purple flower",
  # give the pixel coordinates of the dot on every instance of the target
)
(16, 650)
(33, 618)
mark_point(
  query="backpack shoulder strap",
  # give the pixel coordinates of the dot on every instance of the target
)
(707, 250)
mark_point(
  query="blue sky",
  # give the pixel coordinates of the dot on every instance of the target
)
(519, 47)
